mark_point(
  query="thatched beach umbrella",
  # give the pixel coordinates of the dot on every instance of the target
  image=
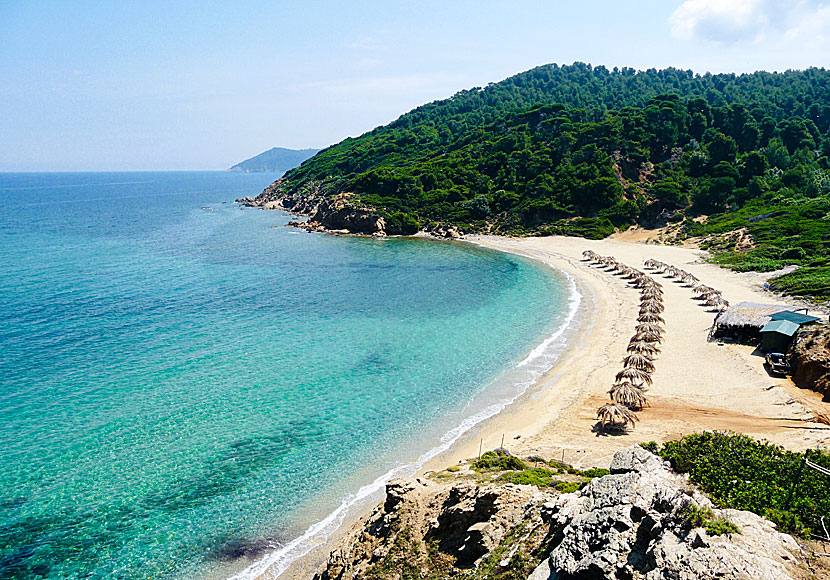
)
(636, 376)
(653, 264)
(702, 289)
(672, 272)
(615, 415)
(651, 305)
(638, 361)
(589, 254)
(650, 317)
(628, 395)
(649, 327)
(717, 302)
(651, 293)
(647, 349)
(689, 279)
(647, 337)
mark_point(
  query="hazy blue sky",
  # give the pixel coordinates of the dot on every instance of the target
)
(202, 85)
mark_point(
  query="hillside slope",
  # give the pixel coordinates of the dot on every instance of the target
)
(580, 150)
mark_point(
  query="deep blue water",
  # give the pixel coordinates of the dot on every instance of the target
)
(180, 379)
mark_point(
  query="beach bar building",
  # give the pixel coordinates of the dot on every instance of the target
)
(774, 325)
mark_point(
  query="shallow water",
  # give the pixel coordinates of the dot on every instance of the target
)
(181, 380)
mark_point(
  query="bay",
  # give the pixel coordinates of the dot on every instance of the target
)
(181, 378)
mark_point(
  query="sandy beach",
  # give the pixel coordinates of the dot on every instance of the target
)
(698, 385)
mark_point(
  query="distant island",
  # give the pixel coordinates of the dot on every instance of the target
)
(275, 160)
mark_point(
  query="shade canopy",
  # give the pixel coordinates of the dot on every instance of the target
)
(784, 327)
(795, 317)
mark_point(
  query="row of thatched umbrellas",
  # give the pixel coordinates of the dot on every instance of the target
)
(709, 296)
(627, 393)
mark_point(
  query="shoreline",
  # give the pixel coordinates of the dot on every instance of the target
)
(305, 552)
(554, 415)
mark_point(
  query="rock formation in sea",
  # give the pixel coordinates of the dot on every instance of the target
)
(642, 521)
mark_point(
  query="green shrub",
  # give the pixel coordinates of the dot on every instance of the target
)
(539, 477)
(651, 446)
(696, 516)
(499, 461)
(721, 527)
(787, 522)
(567, 486)
(595, 472)
(401, 223)
(742, 473)
(453, 468)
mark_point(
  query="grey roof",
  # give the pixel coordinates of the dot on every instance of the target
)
(796, 317)
(749, 314)
(784, 327)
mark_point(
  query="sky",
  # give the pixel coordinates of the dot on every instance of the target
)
(166, 85)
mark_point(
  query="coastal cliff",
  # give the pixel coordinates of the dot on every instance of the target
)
(639, 521)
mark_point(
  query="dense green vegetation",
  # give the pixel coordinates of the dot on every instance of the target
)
(742, 473)
(580, 150)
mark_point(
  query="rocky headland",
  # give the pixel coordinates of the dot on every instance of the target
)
(641, 521)
(340, 214)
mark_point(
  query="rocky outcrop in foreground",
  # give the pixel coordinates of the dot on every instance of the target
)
(640, 522)
(810, 358)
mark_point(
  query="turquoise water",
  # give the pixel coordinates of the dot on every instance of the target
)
(180, 380)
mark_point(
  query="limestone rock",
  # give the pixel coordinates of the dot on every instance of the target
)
(631, 524)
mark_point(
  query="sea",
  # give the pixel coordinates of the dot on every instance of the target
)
(190, 389)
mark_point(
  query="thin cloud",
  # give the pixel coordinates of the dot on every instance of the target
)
(753, 21)
(367, 43)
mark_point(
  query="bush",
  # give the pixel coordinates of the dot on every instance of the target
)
(595, 472)
(742, 473)
(400, 223)
(567, 486)
(787, 522)
(651, 446)
(539, 477)
(499, 461)
(696, 516)
(721, 527)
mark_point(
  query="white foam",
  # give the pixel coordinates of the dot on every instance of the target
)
(540, 359)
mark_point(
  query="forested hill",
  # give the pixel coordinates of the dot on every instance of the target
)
(580, 150)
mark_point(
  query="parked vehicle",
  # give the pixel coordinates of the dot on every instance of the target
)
(778, 363)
